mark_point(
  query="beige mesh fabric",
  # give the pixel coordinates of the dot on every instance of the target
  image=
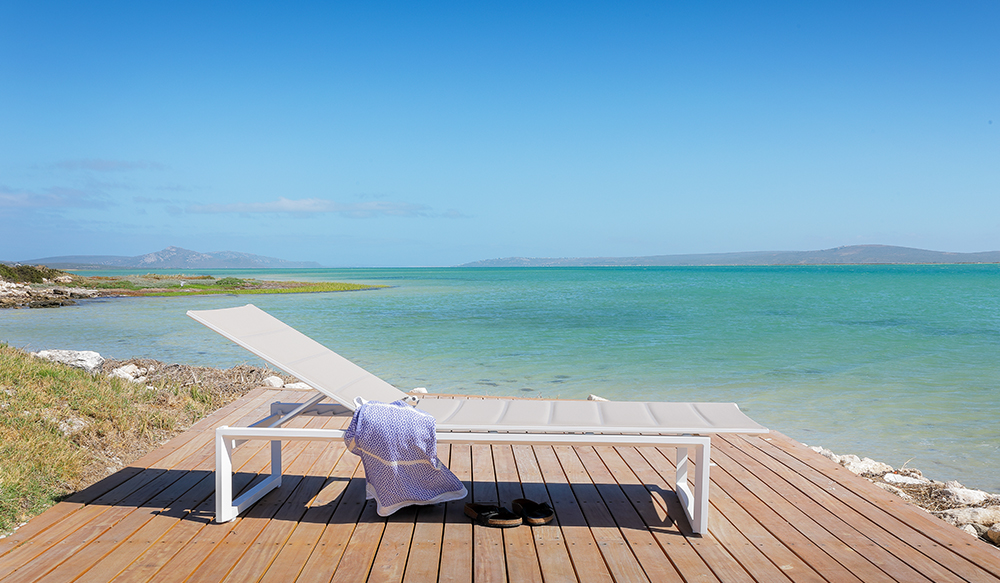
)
(342, 380)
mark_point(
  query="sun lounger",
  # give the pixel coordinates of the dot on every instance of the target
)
(490, 421)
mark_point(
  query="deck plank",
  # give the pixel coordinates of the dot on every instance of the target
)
(887, 552)
(488, 558)
(588, 561)
(519, 543)
(967, 557)
(257, 558)
(647, 461)
(611, 542)
(811, 528)
(647, 550)
(457, 539)
(292, 556)
(424, 560)
(553, 558)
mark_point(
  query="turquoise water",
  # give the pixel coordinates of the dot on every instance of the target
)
(897, 363)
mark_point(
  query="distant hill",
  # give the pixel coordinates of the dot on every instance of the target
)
(170, 258)
(851, 255)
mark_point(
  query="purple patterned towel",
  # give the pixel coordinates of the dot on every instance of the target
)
(398, 448)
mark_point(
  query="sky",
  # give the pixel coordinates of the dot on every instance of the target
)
(435, 134)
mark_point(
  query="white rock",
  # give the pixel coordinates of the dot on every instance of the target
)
(418, 391)
(86, 359)
(966, 496)
(989, 516)
(64, 279)
(273, 382)
(128, 372)
(953, 484)
(994, 534)
(865, 466)
(72, 425)
(898, 479)
(299, 386)
(595, 398)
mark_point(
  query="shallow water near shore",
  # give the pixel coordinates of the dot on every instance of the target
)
(897, 363)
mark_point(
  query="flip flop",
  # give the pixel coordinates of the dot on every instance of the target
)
(490, 515)
(532, 512)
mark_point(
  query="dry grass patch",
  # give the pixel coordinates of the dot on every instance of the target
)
(62, 429)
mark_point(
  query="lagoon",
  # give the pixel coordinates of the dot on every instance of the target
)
(897, 363)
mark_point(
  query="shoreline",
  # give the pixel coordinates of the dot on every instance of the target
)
(975, 512)
(41, 287)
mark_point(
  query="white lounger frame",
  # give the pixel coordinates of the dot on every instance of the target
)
(694, 501)
(588, 423)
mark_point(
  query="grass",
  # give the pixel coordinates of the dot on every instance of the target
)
(62, 428)
(254, 287)
(155, 284)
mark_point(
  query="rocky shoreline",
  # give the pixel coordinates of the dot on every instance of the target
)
(973, 511)
(48, 295)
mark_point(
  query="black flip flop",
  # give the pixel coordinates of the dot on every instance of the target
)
(532, 512)
(490, 515)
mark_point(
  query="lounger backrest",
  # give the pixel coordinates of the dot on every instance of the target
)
(297, 354)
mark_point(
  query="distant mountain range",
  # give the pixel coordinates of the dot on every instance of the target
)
(170, 258)
(177, 258)
(851, 255)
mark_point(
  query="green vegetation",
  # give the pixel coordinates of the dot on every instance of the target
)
(61, 428)
(43, 281)
(27, 273)
(274, 287)
(231, 282)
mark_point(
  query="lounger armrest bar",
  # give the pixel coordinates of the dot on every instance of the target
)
(694, 500)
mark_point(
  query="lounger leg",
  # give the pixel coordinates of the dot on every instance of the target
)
(695, 502)
(226, 508)
(223, 477)
(702, 460)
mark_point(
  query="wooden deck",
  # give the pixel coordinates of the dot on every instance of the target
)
(779, 513)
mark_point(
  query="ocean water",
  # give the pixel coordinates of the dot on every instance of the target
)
(897, 363)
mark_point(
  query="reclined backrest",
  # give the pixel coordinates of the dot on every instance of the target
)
(297, 354)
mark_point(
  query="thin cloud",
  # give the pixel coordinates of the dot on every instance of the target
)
(312, 206)
(98, 165)
(56, 197)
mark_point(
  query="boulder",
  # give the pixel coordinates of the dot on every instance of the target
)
(131, 372)
(86, 359)
(965, 496)
(994, 534)
(274, 382)
(865, 466)
(907, 480)
(298, 386)
(418, 391)
(988, 516)
(595, 398)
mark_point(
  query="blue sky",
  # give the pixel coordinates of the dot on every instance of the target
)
(398, 134)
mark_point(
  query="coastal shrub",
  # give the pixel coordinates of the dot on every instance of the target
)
(231, 282)
(28, 273)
